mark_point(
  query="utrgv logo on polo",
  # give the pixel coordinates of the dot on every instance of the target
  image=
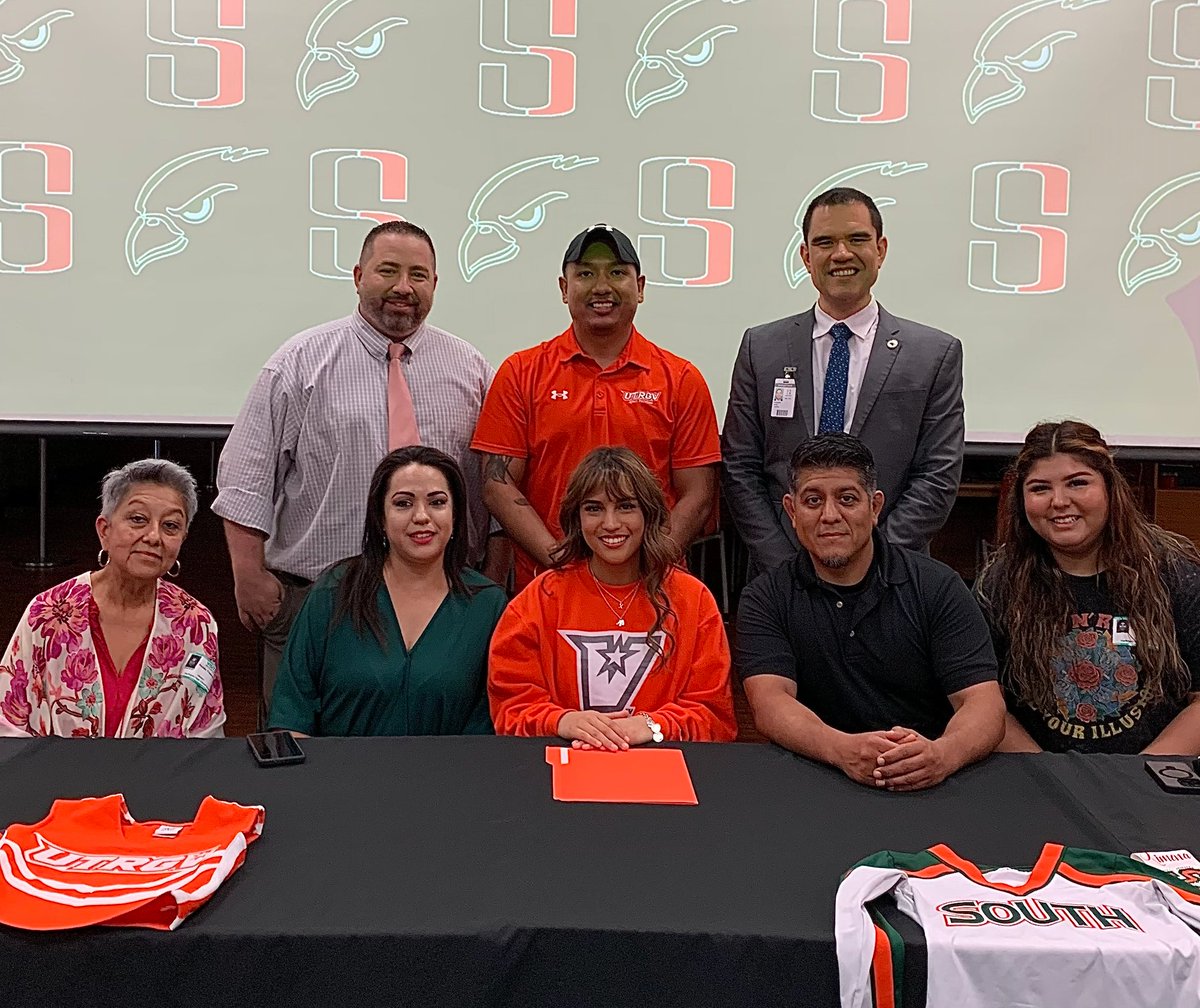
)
(647, 397)
(226, 57)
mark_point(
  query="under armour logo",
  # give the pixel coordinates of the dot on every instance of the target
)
(558, 395)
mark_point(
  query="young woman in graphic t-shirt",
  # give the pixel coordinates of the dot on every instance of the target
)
(1094, 611)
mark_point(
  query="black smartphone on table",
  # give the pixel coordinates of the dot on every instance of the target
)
(276, 748)
(1179, 776)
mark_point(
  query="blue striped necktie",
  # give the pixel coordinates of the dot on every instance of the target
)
(837, 379)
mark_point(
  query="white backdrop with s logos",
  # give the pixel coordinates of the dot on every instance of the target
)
(184, 184)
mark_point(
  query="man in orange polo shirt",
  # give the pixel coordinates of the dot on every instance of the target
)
(600, 382)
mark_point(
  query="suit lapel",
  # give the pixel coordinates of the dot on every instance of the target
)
(884, 350)
(799, 349)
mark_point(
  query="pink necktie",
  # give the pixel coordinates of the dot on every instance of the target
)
(402, 421)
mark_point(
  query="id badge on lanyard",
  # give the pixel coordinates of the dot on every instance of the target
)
(783, 401)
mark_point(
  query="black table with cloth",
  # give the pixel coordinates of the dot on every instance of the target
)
(431, 872)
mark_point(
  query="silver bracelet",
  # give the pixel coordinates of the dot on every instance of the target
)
(656, 732)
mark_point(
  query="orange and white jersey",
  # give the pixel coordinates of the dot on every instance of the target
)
(90, 862)
(1080, 927)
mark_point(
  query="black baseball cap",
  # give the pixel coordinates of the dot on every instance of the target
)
(614, 239)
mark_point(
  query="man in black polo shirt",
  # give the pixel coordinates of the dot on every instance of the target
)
(860, 653)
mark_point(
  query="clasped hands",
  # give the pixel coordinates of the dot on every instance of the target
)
(611, 730)
(899, 759)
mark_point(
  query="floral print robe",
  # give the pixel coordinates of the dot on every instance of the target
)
(50, 681)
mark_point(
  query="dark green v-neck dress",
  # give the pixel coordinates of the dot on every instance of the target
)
(334, 681)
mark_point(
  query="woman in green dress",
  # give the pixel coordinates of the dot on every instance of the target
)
(395, 640)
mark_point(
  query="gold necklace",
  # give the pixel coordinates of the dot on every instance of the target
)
(606, 596)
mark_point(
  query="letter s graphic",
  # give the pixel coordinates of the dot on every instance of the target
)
(559, 63)
(1165, 39)
(655, 181)
(961, 913)
(229, 68)
(893, 81)
(57, 243)
(327, 169)
(989, 182)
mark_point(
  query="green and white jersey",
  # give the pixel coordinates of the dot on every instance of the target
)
(1080, 927)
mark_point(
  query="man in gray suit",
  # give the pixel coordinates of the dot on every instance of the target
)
(844, 365)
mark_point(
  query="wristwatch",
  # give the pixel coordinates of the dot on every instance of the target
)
(656, 732)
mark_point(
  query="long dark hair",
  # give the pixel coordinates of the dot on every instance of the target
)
(358, 592)
(620, 474)
(1023, 588)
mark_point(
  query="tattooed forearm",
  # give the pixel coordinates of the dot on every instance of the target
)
(496, 468)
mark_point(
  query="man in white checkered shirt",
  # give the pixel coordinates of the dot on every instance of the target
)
(294, 474)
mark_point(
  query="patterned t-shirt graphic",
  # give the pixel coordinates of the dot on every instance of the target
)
(1100, 705)
(1096, 679)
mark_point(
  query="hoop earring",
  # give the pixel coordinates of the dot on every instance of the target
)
(175, 569)
(102, 559)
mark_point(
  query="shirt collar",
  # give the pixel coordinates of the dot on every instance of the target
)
(375, 342)
(882, 565)
(635, 352)
(862, 323)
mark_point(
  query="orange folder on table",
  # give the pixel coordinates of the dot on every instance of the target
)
(639, 776)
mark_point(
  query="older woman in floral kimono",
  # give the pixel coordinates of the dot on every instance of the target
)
(118, 651)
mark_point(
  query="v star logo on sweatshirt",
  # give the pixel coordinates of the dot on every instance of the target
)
(611, 667)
